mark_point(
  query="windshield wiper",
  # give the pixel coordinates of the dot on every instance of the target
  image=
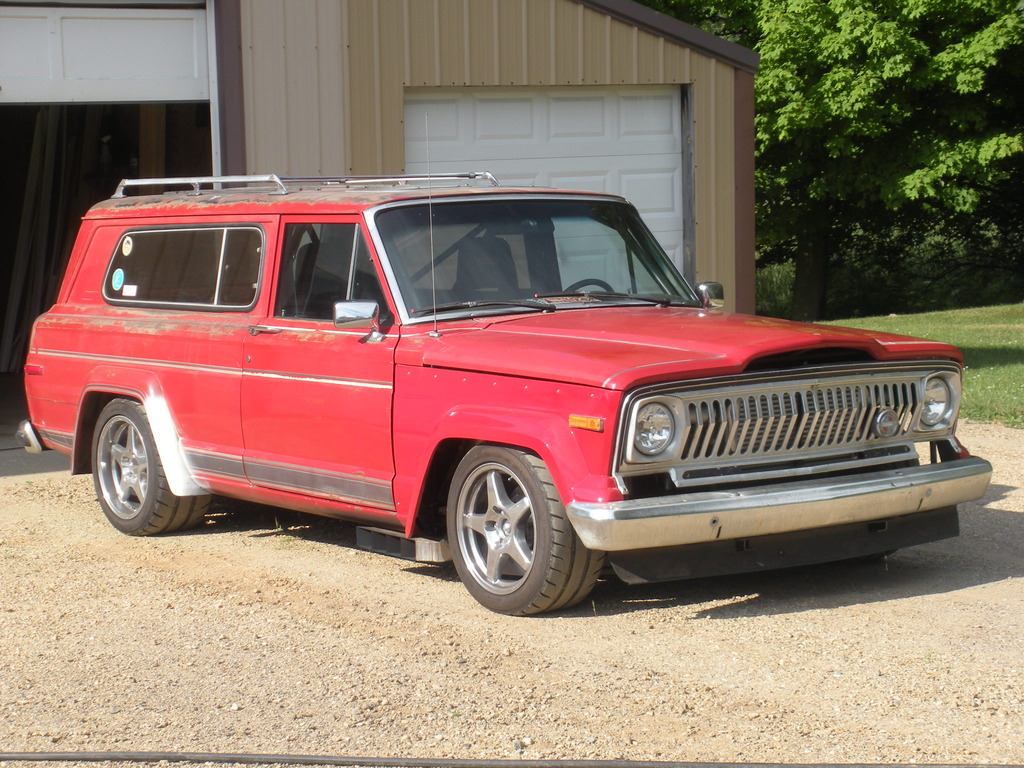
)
(536, 303)
(609, 295)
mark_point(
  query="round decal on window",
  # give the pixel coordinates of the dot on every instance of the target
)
(126, 246)
(117, 279)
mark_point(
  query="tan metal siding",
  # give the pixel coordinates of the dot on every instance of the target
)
(512, 50)
(331, 59)
(325, 84)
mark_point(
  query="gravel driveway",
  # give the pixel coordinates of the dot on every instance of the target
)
(269, 632)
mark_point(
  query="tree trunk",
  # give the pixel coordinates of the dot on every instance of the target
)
(810, 279)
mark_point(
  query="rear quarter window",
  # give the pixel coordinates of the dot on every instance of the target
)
(203, 267)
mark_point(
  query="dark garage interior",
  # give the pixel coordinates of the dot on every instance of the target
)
(58, 160)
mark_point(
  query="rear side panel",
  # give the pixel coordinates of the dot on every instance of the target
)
(184, 365)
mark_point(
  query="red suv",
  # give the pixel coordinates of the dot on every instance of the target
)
(516, 379)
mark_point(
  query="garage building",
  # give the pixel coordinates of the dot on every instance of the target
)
(603, 95)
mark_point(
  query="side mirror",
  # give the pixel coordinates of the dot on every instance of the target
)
(357, 314)
(712, 295)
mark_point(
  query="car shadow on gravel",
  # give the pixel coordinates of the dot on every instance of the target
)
(990, 548)
(261, 521)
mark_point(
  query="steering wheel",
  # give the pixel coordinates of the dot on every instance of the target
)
(589, 281)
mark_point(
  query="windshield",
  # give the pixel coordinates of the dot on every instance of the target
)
(508, 253)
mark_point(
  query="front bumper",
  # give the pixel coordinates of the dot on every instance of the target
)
(692, 518)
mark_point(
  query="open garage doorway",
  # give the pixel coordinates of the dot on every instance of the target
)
(58, 160)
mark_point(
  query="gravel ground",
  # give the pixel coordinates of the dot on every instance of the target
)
(269, 632)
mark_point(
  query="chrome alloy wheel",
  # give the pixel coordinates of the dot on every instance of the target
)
(123, 467)
(495, 526)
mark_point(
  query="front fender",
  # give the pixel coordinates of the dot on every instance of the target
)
(432, 408)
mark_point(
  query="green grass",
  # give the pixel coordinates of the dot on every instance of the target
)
(992, 340)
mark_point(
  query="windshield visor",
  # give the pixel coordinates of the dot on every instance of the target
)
(492, 252)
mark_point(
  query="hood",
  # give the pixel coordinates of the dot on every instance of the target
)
(622, 347)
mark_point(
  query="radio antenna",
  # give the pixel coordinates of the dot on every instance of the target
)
(430, 226)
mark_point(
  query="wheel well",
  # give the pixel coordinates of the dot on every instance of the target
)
(92, 404)
(430, 517)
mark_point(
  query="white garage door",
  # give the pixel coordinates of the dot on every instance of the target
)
(627, 141)
(67, 54)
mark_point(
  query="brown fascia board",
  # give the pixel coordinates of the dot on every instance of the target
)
(677, 31)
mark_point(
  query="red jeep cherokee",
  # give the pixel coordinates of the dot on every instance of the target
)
(520, 378)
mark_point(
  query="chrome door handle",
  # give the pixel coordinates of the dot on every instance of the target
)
(256, 330)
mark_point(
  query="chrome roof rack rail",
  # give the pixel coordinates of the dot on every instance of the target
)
(197, 181)
(396, 181)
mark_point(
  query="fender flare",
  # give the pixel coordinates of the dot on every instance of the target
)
(161, 422)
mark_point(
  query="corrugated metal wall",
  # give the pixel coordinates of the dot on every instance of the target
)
(324, 84)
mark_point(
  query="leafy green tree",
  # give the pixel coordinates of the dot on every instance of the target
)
(874, 115)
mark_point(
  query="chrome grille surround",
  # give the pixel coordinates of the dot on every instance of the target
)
(785, 423)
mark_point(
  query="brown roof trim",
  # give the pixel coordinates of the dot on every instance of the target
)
(677, 31)
(228, 33)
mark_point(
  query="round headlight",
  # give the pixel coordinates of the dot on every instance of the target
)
(655, 428)
(937, 399)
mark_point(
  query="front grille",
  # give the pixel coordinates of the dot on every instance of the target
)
(818, 419)
(754, 424)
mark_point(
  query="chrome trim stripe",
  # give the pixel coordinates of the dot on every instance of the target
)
(692, 518)
(292, 479)
(362, 383)
(215, 464)
(139, 361)
(194, 367)
(67, 439)
(335, 485)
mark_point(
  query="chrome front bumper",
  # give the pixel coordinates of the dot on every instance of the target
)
(692, 518)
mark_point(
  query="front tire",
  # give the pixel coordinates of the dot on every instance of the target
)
(130, 480)
(511, 541)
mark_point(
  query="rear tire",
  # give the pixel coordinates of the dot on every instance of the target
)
(511, 541)
(129, 478)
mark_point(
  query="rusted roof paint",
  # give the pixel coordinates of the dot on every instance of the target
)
(334, 199)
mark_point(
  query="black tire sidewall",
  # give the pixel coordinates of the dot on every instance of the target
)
(142, 522)
(524, 598)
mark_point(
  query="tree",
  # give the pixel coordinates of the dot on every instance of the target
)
(874, 114)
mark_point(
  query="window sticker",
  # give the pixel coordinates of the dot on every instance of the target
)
(129, 291)
(126, 246)
(117, 279)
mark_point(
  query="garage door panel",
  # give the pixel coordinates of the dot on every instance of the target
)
(20, 51)
(625, 141)
(655, 191)
(438, 118)
(579, 119)
(650, 118)
(64, 55)
(503, 120)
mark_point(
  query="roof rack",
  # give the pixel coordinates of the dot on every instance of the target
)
(400, 180)
(281, 185)
(197, 181)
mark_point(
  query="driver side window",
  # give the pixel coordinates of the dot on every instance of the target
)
(323, 263)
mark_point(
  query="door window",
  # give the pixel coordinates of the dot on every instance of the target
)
(323, 263)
